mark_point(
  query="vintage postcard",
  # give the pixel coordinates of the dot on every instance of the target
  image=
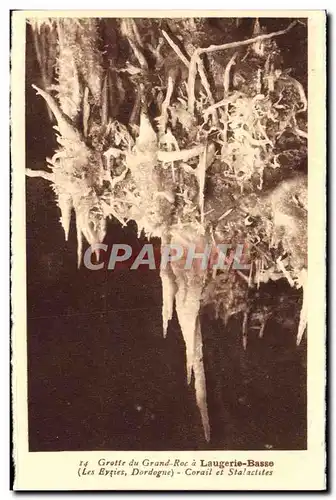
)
(168, 267)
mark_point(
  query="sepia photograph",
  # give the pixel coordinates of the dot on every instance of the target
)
(131, 139)
(166, 235)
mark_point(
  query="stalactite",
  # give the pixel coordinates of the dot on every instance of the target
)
(188, 302)
(65, 204)
(187, 308)
(168, 296)
(303, 282)
(200, 380)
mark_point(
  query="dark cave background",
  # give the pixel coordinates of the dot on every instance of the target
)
(100, 374)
